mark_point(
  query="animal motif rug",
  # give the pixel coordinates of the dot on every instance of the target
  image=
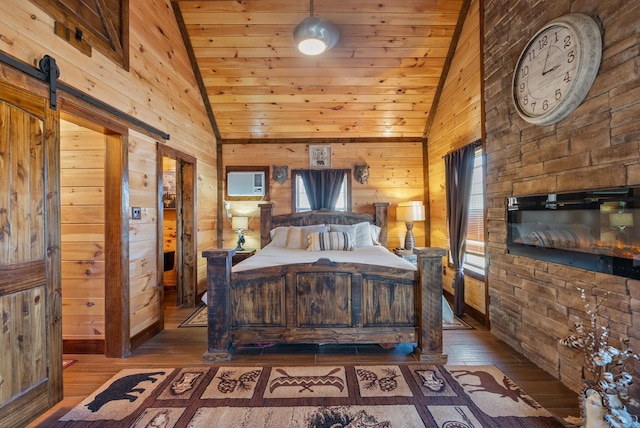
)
(380, 396)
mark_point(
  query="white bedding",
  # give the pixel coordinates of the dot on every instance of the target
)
(274, 256)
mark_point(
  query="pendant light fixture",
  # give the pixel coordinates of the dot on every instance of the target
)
(314, 35)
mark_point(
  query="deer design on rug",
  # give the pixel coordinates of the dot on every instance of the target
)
(489, 384)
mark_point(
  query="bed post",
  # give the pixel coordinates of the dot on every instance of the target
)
(381, 220)
(218, 304)
(266, 223)
(429, 347)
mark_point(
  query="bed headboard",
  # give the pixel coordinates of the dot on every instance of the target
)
(269, 221)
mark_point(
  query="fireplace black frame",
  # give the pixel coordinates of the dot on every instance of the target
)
(577, 229)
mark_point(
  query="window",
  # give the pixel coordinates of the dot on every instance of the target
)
(475, 253)
(300, 202)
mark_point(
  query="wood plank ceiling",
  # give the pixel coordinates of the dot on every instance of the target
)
(379, 81)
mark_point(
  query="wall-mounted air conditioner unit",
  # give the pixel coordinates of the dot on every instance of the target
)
(245, 183)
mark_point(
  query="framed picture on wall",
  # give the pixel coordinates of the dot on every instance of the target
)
(319, 156)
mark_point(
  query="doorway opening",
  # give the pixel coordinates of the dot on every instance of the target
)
(83, 223)
(169, 226)
(176, 226)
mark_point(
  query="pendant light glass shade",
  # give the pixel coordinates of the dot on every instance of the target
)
(314, 35)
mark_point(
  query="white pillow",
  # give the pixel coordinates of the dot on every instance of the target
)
(362, 233)
(351, 229)
(330, 241)
(279, 236)
(375, 234)
(297, 237)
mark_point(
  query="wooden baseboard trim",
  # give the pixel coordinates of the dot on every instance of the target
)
(145, 335)
(83, 347)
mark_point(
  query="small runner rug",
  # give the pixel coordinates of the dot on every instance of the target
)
(199, 319)
(381, 396)
(67, 363)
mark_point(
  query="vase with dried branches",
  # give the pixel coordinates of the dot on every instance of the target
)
(608, 362)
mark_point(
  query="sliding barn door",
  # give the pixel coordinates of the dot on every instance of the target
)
(30, 308)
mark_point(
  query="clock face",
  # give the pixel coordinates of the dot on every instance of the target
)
(547, 71)
(556, 69)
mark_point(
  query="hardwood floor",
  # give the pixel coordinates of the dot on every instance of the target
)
(183, 347)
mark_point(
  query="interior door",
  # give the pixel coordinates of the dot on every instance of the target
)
(30, 307)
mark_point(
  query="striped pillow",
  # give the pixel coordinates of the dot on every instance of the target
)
(323, 241)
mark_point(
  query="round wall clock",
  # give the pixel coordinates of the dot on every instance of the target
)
(557, 68)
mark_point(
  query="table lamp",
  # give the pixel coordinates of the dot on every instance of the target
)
(409, 212)
(239, 224)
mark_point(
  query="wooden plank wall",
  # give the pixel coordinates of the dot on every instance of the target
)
(457, 122)
(160, 90)
(396, 174)
(143, 239)
(82, 157)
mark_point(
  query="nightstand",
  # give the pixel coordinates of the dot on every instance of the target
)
(408, 255)
(241, 255)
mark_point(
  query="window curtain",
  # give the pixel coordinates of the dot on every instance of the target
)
(458, 177)
(323, 186)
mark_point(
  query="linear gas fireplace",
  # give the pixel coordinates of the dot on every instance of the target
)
(598, 230)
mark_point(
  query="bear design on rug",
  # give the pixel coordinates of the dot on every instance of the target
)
(121, 389)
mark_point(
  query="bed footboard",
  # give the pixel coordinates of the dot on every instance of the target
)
(325, 302)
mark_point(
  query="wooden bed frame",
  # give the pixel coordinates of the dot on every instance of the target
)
(324, 302)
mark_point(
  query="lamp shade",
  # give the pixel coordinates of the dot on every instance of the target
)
(314, 35)
(621, 219)
(410, 211)
(240, 223)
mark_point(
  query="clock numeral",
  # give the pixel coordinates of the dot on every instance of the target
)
(567, 42)
(525, 100)
(545, 105)
(567, 77)
(543, 42)
(532, 54)
(525, 71)
(558, 94)
(571, 57)
(522, 87)
(533, 106)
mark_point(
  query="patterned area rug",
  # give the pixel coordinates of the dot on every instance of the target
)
(199, 319)
(196, 319)
(381, 396)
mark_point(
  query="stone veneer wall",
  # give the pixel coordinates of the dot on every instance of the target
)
(534, 303)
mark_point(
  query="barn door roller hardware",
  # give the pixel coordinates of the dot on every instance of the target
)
(51, 71)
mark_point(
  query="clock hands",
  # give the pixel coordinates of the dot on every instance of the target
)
(544, 67)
